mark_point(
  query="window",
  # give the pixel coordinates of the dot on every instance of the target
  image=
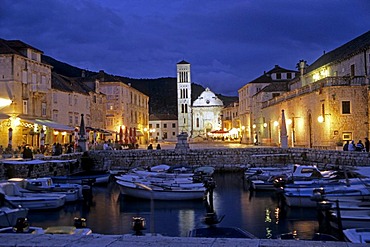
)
(157, 126)
(289, 75)
(70, 99)
(173, 133)
(55, 98)
(43, 109)
(352, 70)
(275, 94)
(24, 76)
(70, 118)
(197, 122)
(34, 78)
(55, 115)
(346, 107)
(76, 120)
(278, 76)
(25, 106)
(150, 125)
(173, 125)
(164, 125)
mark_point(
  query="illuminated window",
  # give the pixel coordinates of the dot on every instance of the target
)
(25, 106)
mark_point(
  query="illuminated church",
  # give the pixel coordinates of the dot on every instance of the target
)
(201, 117)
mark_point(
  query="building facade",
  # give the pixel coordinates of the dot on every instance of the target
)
(324, 106)
(162, 127)
(184, 112)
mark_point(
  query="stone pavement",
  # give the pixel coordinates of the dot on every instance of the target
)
(93, 240)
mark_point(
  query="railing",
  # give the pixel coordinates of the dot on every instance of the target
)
(40, 88)
(326, 82)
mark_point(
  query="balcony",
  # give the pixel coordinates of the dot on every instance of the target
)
(325, 82)
(38, 88)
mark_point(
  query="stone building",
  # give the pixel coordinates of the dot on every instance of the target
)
(162, 127)
(184, 97)
(127, 108)
(255, 126)
(231, 121)
(25, 81)
(206, 112)
(324, 106)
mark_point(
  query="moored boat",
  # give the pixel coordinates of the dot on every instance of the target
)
(73, 192)
(13, 193)
(357, 235)
(155, 192)
(84, 178)
(9, 214)
(23, 227)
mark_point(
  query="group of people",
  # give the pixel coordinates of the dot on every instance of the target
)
(151, 146)
(359, 146)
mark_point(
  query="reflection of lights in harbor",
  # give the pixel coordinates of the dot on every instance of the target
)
(186, 221)
(267, 215)
(268, 232)
(277, 212)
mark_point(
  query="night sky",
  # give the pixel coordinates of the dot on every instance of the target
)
(227, 42)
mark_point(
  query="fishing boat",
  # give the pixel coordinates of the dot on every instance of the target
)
(349, 218)
(13, 193)
(98, 178)
(73, 192)
(22, 226)
(309, 196)
(268, 178)
(357, 235)
(10, 213)
(161, 192)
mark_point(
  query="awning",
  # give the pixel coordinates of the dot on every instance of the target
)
(54, 125)
(50, 124)
(139, 133)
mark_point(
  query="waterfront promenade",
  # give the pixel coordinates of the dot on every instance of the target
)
(28, 240)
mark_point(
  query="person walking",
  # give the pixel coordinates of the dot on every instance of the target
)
(367, 144)
(158, 146)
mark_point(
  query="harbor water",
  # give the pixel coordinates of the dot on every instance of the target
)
(259, 213)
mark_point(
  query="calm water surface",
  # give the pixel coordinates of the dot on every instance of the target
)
(257, 212)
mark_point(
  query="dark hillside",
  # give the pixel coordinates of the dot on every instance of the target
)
(162, 92)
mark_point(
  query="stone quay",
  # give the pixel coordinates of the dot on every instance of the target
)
(223, 159)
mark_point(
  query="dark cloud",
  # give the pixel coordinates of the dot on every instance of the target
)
(228, 43)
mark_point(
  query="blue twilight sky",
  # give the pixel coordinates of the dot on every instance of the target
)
(227, 42)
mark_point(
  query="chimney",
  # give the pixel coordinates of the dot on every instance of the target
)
(101, 75)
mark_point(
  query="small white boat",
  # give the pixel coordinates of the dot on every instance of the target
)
(155, 192)
(9, 215)
(308, 196)
(73, 192)
(13, 193)
(22, 226)
(357, 235)
(350, 218)
(265, 178)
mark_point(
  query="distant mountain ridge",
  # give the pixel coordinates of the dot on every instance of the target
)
(162, 92)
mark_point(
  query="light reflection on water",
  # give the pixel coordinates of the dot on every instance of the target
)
(256, 212)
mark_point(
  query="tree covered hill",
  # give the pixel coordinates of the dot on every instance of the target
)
(162, 92)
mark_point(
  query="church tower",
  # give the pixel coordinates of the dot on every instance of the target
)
(184, 98)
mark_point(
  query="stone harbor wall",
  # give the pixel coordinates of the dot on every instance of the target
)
(222, 159)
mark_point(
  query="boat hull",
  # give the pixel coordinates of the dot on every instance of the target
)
(134, 190)
(9, 216)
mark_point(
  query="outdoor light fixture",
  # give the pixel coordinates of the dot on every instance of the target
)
(5, 102)
(264, 125)
(320, 119)
(254, 126)
(289, 121)
(276, 123)
(56, 132)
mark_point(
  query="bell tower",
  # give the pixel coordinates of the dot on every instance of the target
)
(184, 112)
